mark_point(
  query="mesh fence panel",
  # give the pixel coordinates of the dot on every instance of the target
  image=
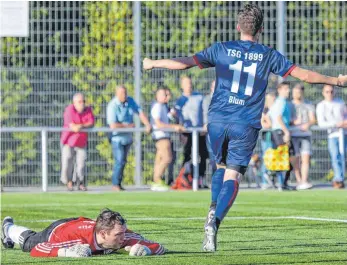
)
(88, 46)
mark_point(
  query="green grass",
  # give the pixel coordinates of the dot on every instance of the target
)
(243, 241)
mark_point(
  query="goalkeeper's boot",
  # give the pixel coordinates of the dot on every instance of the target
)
(5, 239)
(210, 240)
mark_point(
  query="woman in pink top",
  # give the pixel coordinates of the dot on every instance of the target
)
(76, 117)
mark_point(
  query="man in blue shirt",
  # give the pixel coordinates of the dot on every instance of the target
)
(120, 114)
(189, 111)
(242, 71)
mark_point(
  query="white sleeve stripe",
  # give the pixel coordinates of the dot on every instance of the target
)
(42, 250)
(44, 247)
(66, 242)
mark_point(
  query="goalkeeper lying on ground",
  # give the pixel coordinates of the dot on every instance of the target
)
(79, 237)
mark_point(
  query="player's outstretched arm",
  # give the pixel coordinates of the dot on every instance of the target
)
(172, 64)
(316, 78)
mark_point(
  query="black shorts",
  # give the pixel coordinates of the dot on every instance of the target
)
(29, 239)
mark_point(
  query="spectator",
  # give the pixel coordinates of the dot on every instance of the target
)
(173, 118)
(266, 137)
(301, 136)
(160, 120)
(120, 114)
(76, 117)
(280, 114)
(331, 114)
(189, 111)
(206, 104)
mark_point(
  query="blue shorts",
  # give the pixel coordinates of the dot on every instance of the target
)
(232, 144)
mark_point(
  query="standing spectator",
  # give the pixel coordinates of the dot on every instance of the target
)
(189, 111)
(206, 105)
(266, 137)
(331, 114)
(74, 142)
(160, 120)
(120, 114)
(281, 115)
(301, 135)
(173, 118)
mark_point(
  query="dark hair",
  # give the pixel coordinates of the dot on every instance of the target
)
(285, 83)
(107, 219)
(250, 19)
(300, 86)
(161, 88)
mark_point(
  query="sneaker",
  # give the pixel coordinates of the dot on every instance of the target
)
(338, 185)
(210, 216)
(210, 240)
(159, 186)
(288, 188)
(304, 186)
(5, 239)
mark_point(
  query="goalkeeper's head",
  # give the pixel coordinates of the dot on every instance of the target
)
(110, 229)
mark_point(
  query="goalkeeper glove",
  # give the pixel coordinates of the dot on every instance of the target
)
(76, 251)
(138, 250)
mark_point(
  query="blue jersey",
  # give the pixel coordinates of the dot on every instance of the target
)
(242, 72)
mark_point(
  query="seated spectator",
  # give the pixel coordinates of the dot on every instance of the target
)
(120, 114)
(301, 136)
(76, 117)
(160, 120)
(331, 114)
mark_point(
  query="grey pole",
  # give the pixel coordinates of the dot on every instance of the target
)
(281, 29)
(44, 161)
(195, 159)
(137, 86)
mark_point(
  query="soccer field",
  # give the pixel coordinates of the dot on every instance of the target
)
(263, 227)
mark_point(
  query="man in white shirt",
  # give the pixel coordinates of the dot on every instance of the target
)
(332, 114)
(160, 120)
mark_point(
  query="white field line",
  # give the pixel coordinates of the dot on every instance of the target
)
(226, 218)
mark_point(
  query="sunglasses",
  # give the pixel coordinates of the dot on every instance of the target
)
(329, 92)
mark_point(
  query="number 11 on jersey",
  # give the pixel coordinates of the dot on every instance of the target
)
(237, 68)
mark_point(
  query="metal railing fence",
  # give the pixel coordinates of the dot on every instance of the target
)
(38, 163)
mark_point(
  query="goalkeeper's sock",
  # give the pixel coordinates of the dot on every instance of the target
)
(217, 184)
(226, 199)
(14, 232)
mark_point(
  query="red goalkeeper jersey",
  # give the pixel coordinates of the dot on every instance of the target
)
(81, 231)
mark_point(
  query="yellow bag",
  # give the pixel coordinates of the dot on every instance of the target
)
(277, 159)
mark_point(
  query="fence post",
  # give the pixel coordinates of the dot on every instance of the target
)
(342, 150)
(281, 29)
(137, 86)
(44, 161)
(195, 159)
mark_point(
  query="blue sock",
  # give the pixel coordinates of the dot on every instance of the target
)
(226, 199)
(217, 184)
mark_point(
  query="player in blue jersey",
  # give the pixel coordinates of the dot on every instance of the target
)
(242, 71)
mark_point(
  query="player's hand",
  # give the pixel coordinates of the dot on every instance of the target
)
(342, 80)
(147, 64)
(76, 251)
(138, 250)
